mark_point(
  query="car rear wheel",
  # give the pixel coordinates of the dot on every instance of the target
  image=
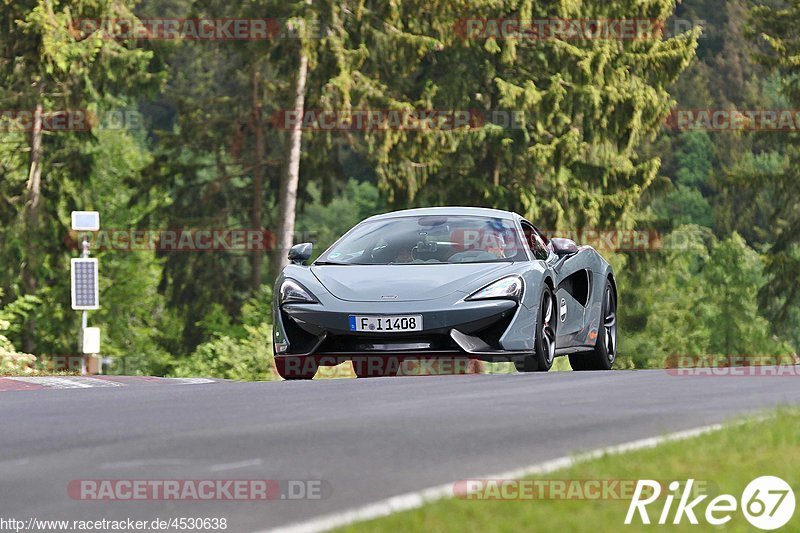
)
(290, 367)
(545, 342)
(605, 350)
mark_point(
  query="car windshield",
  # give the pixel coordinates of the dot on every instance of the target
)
(427, 239)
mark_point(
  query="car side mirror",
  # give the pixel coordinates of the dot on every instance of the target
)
(562, 247)
(300, 253)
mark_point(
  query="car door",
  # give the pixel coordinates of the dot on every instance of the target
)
(573, 288)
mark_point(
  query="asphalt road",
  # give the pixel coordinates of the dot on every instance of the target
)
(366, 439)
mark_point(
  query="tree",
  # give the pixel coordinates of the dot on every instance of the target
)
(287, 190)
(732, 277)
(772, 28)
(687, 202)
(12, 360)
(696, 297)
(218, 150)
(665, 311)
(50, 65)
(583, 107)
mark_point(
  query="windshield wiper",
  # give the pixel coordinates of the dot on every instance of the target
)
(331, 263)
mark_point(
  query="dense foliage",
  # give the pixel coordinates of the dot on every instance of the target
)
(202, 147)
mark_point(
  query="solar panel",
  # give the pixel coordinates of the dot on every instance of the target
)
(84, 284)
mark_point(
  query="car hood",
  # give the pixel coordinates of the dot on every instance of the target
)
(399, 283)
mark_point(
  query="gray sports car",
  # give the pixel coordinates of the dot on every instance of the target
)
(444, 282)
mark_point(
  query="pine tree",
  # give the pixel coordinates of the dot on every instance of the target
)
(583, 106)
(774, 187)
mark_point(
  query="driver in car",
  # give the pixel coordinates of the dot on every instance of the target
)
(404, 255)
(403, 250)
(490, 246)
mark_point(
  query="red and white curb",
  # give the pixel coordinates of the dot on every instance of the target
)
(66, 382)
(24, 383)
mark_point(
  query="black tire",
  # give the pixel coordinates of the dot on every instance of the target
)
(545, 342)
(375, 367)
(605, 349)
(292, 367)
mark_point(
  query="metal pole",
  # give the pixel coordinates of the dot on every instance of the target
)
(84, 314)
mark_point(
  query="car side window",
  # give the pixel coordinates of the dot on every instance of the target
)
(534, 242)
(542, 244)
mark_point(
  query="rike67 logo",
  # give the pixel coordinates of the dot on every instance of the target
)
(767, 502)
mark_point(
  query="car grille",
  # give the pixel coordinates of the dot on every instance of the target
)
(372, 344)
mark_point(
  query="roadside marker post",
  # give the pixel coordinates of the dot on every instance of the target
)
(85, 292)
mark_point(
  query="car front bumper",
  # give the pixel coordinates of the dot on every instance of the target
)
(465, 328)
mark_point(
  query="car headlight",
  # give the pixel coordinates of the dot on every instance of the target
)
(293, 292)
(506, 288)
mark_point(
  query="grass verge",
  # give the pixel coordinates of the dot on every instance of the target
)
(726, 461)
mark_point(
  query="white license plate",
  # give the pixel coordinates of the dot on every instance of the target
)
(387, 324)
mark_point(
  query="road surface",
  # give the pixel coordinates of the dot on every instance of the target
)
(365, 440)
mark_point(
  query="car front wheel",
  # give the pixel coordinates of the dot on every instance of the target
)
(545, 342)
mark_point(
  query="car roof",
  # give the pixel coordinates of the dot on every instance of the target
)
(451, 211)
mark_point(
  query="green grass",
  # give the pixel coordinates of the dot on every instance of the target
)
(727, 460)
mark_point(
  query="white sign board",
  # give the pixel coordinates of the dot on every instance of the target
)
(85, 221)
(91, 340)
